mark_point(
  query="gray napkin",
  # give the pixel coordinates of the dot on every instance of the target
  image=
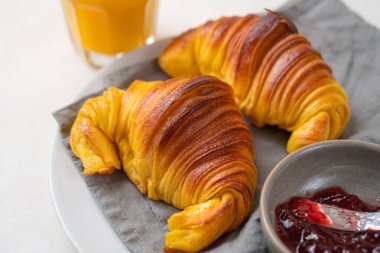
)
(349, 45)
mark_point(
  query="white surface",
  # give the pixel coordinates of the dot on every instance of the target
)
(40, 72)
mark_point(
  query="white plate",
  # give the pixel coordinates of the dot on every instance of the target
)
(78, 212)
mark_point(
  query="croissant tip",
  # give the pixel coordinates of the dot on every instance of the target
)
(170, 250)
(272, 12)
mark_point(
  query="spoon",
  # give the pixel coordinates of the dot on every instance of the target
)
(335, 217)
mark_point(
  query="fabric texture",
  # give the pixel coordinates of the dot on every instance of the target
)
(349, 45)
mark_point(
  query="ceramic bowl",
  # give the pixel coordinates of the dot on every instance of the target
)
(352, 165)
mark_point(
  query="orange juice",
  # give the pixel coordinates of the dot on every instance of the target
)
(110, 26)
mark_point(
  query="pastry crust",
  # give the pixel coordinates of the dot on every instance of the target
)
(277, 77)
(180, 141)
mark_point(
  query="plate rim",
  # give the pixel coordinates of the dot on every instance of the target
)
(142, 54)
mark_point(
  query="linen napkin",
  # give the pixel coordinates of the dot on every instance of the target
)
(348, 44)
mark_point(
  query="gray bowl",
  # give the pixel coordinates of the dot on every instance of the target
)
(352, 165)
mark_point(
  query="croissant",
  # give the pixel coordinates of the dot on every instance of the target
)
(276, 75)
(180, 141)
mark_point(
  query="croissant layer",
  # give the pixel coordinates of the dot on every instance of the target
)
(276, 75)
(180, 141)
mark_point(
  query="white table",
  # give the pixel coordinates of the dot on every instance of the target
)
(39, 73)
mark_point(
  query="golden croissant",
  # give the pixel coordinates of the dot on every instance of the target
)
(180, 141)
(276, 75)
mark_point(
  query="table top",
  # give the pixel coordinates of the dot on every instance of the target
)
(41, 72)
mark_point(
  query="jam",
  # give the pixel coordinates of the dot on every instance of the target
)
(300, 235)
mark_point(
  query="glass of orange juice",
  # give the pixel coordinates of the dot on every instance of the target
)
(102, 29)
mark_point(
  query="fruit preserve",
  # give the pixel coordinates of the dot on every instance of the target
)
(300, 235)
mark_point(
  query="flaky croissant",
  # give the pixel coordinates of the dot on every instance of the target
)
(181, 141)
(276, 75)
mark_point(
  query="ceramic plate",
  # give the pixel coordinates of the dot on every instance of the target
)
(78, 212)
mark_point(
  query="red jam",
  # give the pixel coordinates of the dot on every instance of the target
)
(310, 211)
(300, 235)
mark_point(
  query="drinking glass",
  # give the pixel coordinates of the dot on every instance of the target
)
(103, 29)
